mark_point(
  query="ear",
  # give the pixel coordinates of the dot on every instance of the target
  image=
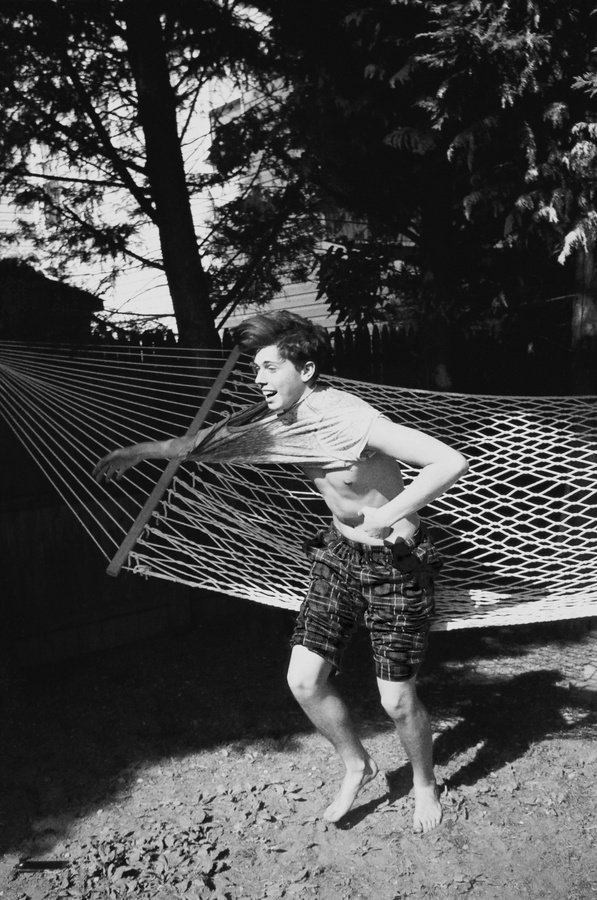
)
(308, 371)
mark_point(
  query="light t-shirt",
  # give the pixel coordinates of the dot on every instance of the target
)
(326, 428)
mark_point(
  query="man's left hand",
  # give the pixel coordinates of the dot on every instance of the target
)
(374, 523)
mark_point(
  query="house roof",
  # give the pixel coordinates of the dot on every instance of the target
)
(39, 288)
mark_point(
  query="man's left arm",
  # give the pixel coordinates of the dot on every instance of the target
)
(440, 467)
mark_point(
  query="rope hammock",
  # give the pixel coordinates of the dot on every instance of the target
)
(517, 533)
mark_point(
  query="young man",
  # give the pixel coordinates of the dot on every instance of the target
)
(375, 561)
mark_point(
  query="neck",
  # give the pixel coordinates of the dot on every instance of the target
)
(303, 396)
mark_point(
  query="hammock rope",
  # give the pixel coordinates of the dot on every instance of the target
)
(517, 533)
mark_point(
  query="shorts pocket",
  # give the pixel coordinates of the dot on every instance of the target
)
(313, 544)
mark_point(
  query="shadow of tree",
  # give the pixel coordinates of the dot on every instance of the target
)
(503, 720)
(497, 718)
(76, 735)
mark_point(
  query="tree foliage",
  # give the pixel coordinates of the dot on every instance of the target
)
(446, 151)
(467, 128)
(98, 124)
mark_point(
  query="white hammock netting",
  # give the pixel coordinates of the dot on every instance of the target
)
(517, 533)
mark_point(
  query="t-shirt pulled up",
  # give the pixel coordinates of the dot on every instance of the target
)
(327, 428)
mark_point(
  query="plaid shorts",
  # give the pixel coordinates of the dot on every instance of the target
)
(389, 588)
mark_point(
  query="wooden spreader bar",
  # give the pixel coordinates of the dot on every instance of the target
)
(169, 472)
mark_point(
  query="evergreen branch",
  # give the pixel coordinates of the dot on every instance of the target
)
(110, 150)
(262, 249)
(59, 127)
(99, 236)
(25, 173)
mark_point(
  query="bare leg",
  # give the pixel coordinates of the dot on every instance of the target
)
(401, 702)
(308, 677)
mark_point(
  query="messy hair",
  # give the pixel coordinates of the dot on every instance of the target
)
(297, 339)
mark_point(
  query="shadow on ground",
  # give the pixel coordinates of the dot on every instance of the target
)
(74, 734)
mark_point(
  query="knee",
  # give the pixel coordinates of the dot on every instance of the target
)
(401, 703)
(308, 674)
(307, 682)
(304, 686)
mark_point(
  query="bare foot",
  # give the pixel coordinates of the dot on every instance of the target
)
(428, 809)
(352, 784)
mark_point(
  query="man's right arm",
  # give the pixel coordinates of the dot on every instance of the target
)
(116, 463)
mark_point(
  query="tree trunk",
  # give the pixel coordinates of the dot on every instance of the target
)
(186, 277)
(584, 325)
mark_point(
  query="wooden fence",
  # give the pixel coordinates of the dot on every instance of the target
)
(476, 362)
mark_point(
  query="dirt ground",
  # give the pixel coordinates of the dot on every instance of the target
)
(182, 768)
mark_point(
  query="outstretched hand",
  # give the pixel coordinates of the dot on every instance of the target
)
(115, 464)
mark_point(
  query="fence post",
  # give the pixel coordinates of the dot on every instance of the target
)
(376, 356)
(362, 347)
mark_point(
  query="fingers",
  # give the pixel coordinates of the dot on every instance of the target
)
(98, 470)
(107, 468)
(103, 472)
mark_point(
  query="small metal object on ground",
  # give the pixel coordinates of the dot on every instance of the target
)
(36, 865)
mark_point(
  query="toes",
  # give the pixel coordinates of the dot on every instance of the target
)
(422, 827)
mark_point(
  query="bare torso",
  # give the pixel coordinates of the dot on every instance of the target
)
(369, 482)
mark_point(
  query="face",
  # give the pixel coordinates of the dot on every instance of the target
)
(280, 382)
